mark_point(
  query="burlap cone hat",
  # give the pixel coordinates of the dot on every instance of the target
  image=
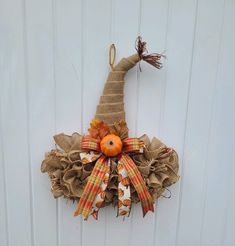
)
(111, 105)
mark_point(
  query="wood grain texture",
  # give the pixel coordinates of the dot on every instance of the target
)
(96, 30)
(53, 65)
(68, 80)
(179, 48)
(151, 84)
(14, 124)
(207, 44)
(41, 113)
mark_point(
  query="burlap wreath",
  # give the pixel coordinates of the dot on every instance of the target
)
(157, 163)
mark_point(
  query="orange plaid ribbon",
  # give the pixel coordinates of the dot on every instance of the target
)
(101, 169)
(90, 143)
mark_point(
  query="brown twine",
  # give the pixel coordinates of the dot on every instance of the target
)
(111, 104)
(153, 59)
(169, 196)
(112, 56)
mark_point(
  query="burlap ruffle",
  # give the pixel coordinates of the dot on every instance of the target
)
(158, 166)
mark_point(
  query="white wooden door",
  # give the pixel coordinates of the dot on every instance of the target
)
(53, 64)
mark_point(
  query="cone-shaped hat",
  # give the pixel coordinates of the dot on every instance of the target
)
(111, 105)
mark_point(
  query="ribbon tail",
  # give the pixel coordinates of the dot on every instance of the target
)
(99, 199)
(138, 183)
(124, 191)
(92, 188)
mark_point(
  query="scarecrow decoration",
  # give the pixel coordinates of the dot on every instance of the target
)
(106, 166)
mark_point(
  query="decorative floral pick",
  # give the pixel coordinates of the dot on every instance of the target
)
(106, 165)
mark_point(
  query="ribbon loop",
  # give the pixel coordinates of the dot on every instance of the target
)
(90, 143)
(94, 192)
(132, 145)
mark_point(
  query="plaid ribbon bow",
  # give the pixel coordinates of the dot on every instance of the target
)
(94, 192)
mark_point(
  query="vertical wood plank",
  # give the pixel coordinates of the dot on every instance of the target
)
(179, 47)
(125, 29)
(3, 202)
(153, 28)
(228, 74)
(14, 123)
(39, 34)
(95, 68)
(68, 58)
(220, 175)
(203, 76)
(228, 237)
(53, 65)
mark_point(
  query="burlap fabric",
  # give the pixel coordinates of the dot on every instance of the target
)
(158, 165)
(111, 106)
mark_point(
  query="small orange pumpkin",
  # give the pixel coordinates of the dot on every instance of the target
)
(111, 145)
(125, 181)
(120, 192)
(127, 202)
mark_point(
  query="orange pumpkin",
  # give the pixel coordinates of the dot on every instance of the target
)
(127, 202)
(120, 192)
(111, 145)
(125, 181)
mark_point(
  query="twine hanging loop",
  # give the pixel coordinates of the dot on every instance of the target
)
(112, 56)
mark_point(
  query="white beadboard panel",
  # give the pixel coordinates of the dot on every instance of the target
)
(14, 123)
(220, 171)
(68, 80)
(4, 237)
(179, 48)
(96, 38)
(153, 28)
(96, 32)
(201, 96)
(125, 30)
(123, 34)
(53, 66)
(39, 57)
(151, 85)
(227, 75)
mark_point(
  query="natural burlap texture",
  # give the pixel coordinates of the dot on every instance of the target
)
(111, 105)
(158, 165)
(151, 169)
